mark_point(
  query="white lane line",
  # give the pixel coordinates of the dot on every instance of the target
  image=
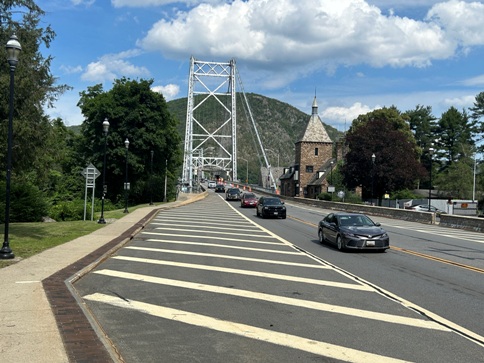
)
(303, 280)
(466, 236)
(224, 246)
(247, 331)
(211, 238)
(191, 221)
(191, 224)
(213, 232)
(314, 305)
(274, 262)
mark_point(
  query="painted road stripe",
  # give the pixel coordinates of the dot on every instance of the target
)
(314, 305)
(213, 232)
(224, 246)
(274, 262)
(246, 228)
(212, 238)
(246, 331)
(191, 221)
(304, 280)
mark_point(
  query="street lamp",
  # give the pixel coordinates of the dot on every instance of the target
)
(166, 180)
(126, 144)
(13, 50)
(151, 178)
(331, 178)
(431, 151)
(373, 157)
(247, 170)
(105, 130)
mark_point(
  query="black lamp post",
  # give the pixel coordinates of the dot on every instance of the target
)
(373, 157)
(13, 50)
(431, 151)
(331, 178)
(151, 178)
(105, 130)
(166, 181)
(126, 144)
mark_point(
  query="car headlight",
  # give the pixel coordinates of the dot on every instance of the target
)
(384, 235)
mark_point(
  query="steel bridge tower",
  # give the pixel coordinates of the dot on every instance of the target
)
(210, 134)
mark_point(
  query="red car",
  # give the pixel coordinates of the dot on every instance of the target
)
(248, 200)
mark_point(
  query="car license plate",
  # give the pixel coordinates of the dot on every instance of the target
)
(275, 213)
(370, 243)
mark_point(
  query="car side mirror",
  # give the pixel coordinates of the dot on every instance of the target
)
(378, 224)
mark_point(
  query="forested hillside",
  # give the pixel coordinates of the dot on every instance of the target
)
(279, 125)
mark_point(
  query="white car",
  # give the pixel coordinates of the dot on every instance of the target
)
(212, 185)
(425, 208)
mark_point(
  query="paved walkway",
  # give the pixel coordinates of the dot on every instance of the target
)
(41, 317)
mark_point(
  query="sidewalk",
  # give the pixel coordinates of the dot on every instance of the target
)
(41, 319)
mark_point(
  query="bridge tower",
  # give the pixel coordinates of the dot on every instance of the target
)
(210, 148)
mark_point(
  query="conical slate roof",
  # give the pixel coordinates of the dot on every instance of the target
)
(315, 131)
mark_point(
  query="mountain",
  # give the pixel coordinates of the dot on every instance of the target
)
(279, 126)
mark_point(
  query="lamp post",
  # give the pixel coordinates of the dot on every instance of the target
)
(331, 178)
(247, 170)
(373, 157)
(105, 130)
(13, 50)
(151, 178)
(166, 180)
(431, 151)
(126, 144)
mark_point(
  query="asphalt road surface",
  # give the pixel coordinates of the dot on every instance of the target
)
(211, 282)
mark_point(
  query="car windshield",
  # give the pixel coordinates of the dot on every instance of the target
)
(355, 220)
(233, 191)
(272, 201)
(249, 196)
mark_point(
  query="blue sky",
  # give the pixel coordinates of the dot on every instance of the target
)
(356, 55)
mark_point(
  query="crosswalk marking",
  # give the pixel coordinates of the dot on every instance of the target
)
(224, 246)
(388, 318)
(304, 280)
(287, 340)
(212, 238)
(316, 266)
(188, 230)
(247, 227)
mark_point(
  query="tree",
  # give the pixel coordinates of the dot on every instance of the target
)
(385, 133)
(135, 112)
(455, 130)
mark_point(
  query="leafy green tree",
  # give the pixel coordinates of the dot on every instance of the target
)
(386, 134)
(137, 113)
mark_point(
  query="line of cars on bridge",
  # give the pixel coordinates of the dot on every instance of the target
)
(346, 231)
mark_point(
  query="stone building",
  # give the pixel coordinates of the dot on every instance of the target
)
(312, 169)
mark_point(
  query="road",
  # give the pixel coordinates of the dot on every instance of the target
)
(211, 282)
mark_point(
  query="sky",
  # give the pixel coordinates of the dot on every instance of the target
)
(354, 55)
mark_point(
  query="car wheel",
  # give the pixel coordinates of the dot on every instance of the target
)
(257, 212)
(339, 243)
(321, 236)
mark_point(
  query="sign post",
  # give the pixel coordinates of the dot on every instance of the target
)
(90, 173)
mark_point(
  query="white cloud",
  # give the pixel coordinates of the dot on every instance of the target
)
(170, 91)
(345, 114)
(461, 20)
(112, 66)
(300, 36)
(70, 69)
(475, 81)
(460, 102)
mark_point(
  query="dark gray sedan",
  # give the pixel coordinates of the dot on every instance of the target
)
(353, 231)
(271, 207)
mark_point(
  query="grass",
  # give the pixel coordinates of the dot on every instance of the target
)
(28, 239)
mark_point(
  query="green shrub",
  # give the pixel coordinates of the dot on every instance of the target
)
(27, 202)
(324, 196)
